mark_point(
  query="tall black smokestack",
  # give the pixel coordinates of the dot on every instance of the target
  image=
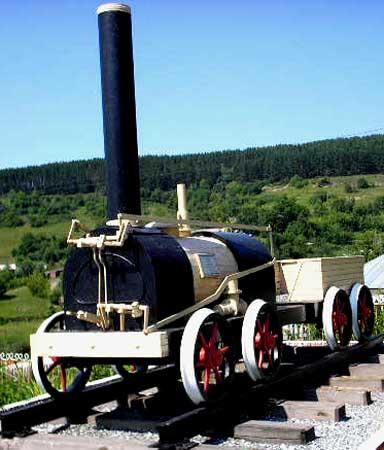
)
(119, 109)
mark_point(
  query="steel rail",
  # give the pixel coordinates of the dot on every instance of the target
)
(223, 416)
(18, 418)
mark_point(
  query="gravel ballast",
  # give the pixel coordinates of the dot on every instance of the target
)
(361, 422)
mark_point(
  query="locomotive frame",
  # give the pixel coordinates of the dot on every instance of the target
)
(166, 341)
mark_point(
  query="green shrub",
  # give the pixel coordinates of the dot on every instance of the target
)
(298, 182)
(16, 387)
(37, 221)
(362, 183)
(6, 277)
(379, 321)
(11, 218)
(323, 182)
(38, 285)
(54, 296)
(348, 188)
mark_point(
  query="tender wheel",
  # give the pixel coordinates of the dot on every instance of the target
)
(261, 340)
(363, 311)
(58, 377)
(206, 356)
(337, 318)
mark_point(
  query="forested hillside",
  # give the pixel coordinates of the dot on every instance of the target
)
(333, 157)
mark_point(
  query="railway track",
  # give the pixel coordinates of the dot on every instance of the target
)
(17, 419)
(175, 431)
(249, 400)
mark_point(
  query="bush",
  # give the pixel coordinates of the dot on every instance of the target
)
(10, 218)
(6, 277)
(3, 287)
(362, 183)
(320, 197)
(38, 285)
(323, 182)
(54, 296)
(348, 188)
(344, 205)
(298, 182)
(37, 221)
(37, 251)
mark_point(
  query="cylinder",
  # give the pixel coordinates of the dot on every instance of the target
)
(119, 109)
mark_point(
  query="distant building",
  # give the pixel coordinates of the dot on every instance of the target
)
(374, 278)
(11, 266)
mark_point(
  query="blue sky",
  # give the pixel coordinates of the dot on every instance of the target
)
(210, 75)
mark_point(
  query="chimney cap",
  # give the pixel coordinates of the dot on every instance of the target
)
(113, 7)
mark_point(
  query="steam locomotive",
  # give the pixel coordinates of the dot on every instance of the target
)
(143, 291)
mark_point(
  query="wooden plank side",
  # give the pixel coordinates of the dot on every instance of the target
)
(342, 279)
(298, 296)
(315, 295)
(274, 432)
(114, 344)
(353, 396)
(314, 410)
(342, 272)
(63, 442)
(363, 370)
(281, 285)
(329, 263)
(302, 276)
(343, 268)
(375, 384)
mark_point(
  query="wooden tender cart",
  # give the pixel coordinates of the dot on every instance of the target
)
(308, 279)
(329, 291)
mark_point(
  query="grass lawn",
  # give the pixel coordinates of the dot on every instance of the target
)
(20, 315)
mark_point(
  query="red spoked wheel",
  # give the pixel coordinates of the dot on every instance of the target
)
(261, 340)
(206, 357)
(337, 318)
(58, 376)
(363, 311)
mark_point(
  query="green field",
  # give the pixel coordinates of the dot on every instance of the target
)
(10, 237)
(336, 188)
(20, 315)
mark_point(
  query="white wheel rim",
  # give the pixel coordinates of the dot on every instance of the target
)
(43, 328)
(328, 306)
(248, 341)
(38, 365)
(327, 317)
(187, 354)
(354, 300)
